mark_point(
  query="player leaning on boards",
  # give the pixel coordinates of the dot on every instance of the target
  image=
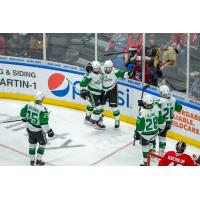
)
(91, 88)
(178, 158)
(37, 118)
(148, 124)
(110, 90)
(168, 105)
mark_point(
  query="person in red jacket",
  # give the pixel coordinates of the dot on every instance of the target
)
(137, 71)
(178, 158)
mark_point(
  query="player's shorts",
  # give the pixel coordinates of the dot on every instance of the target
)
(111, 96)
(145, 142)
(167, 127)
(95, 100)
(37, 137)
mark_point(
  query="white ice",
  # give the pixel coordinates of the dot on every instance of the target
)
(75, 144)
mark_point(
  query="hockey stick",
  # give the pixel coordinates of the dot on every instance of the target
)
(16, 120)
(131, 50)
(143, 89)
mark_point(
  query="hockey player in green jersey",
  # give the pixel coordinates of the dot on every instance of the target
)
(148, 124)
(36, 116)
(91, 89)
(110, 90)
(168, 106)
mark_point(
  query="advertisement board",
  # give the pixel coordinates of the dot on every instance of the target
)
(62, 84)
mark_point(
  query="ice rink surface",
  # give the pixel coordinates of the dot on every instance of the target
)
(75, 143)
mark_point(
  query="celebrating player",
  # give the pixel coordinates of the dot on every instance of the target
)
(91, 89)
(178, 158)
(168, 106)
(37, 117)
(148, 124)
(110, 91)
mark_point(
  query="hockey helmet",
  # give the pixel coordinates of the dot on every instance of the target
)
(96, 66)
(108, 65)
(39, 96)
(181, 147)
(148, 101)
(164, 91)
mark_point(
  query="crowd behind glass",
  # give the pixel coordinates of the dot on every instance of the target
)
(165, 61)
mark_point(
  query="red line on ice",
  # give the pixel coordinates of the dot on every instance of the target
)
(19, 152)
(111, 154)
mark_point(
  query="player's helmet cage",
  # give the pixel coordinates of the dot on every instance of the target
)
(148, 101)
(164, 91)
(39, 96)
(181, 147)
(108, 65)
(96, 66)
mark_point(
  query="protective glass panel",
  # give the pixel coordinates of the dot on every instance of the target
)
(194, 78)
(27, 45)
(120, 48)
(71, 48)
(167, 54)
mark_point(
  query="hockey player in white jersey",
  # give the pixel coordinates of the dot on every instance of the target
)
(36, 116)
(168, 106)
(110, 91)
(91, 89)
(148, 124)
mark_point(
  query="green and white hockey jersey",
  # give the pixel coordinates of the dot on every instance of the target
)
(149, 122)
(168, 107)
(92, 82)
(37, 117)
(110, 80)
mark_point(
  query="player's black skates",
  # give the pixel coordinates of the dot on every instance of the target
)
(40, 163)
(89, 120)
(32, 162)
(99, 124)
(143, 164)
(117, 123)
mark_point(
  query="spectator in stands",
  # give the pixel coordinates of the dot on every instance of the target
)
(150, 53)
(137, 71)
(117, 43)
(178, 40)
(195, 88)
(2, 45)
(165, 60)
(16, 46)
(36, 46)
(134, 41)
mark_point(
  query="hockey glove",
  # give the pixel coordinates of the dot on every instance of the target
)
(137, 135)
(50, 133)
(140, 103)
(84, 94)
(130, 74)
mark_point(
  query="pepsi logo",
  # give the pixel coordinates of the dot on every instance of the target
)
(58, 85)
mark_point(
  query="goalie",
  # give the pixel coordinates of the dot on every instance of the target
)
(178, 158)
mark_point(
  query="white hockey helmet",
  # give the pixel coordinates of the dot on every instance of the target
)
(108, 65)
(148, 101)
(39, 96)
(164, 91)
(96, 66)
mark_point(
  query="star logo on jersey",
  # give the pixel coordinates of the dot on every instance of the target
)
(58, 85)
